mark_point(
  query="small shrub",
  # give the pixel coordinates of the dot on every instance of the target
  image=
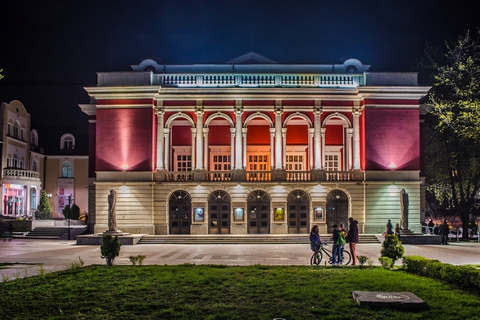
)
(136, 259)
(110, 249)
(42, 270)
(386, 262)
(362, 260)
(392, 248)
(76, 264)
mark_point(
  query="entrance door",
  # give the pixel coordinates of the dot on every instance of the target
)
(258, 214)
(337, 209)
(298, 209)
(180, 205)
(219, 212)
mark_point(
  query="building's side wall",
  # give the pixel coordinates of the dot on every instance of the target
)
(134, 207)
(124, 139)
(392, 139)
(383, 203)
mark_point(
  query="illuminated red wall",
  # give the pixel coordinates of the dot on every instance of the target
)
(219, 136)
(92, 128)
(181, 135)
(392, 136)
(334, 135)
(258, 135)
(124, 137)
(297, 135)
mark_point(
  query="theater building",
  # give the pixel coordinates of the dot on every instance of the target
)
(252, 146)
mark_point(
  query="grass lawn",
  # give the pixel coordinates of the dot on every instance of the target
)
(222, 292)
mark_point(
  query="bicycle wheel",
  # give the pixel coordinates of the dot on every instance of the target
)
(316, 258)
(347, 258)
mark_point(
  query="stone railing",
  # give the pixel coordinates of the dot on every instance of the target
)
(20, 174)
(258, 80)
(223, 176)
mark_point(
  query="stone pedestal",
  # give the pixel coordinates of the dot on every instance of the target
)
(398, 300)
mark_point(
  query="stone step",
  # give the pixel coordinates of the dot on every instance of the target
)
(241, 239)
(53, 233)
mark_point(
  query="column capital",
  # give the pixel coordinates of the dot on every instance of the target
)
(272, 131)
(159, 111)
(205, 131)
(244, 131)
(317, 108)
(284, 131)
(232, 131)
(166, 131)
(238, 109)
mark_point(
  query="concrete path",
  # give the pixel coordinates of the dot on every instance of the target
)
(56, 255)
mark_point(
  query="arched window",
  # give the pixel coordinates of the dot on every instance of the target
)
(66, 170)
(15, 161)
(35, 165)
(34, 138)
(16, 128)
(67, 142)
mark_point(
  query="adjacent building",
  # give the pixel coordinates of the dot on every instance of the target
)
(252, 146)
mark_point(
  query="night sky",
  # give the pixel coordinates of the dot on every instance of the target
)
(50, 50)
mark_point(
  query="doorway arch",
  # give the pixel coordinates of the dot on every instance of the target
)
(258, 215)
(298, 204)
(219, 212)
(179, 212)
(337, 209)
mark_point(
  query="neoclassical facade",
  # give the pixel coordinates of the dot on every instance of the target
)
(251, 146)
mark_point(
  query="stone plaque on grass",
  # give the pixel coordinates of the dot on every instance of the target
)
(398, 300)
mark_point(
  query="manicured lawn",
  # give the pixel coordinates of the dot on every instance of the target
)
(221, 292)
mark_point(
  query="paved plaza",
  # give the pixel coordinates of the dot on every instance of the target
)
(56, 255)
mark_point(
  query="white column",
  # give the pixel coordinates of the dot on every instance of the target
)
(199, 158)
(160, 138)
(166, 132)
(311, 133)
(232, 148)
(238, 137)
(317, 138)
(284, 145)
(205, 148)
(244, 135)
(349, 148)
(278, 134)
(356, 138)
(322, 155)
(194, 134)
(272, 147)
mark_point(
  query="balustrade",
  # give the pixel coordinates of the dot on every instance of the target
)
(259, 80)
(20, 173)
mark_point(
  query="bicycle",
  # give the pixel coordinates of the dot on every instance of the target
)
(318, 256)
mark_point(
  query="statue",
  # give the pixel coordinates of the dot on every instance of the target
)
(404, 208)
(112, 207)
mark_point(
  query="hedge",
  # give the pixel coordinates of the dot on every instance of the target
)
(464, 276)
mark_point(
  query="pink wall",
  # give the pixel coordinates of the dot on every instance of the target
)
(124, 137)
(392, 137)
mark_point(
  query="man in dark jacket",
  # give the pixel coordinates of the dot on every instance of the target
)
(352, 238)
(444, 231)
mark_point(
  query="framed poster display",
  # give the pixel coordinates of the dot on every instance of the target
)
(238, 214)
(318, 214)
(198, 214)
(279, 214)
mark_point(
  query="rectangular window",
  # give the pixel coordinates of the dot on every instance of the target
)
(331, 162)
(295, 162)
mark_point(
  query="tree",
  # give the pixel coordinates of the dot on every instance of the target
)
(43, 211)
(453, 133)
(110, 249)
(1, 75)
(392, 248)
(71, 211)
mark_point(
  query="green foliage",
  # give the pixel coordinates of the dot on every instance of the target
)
(74, 212)
(77, 264)
(1, 75)
(225, 292)
(363, 260)
(386, 262)
(134, 260)
(110, 249)
(463, 276)
(452, 130)
(392, 248)
(44, 212)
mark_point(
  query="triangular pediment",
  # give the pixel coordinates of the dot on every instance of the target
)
(251, 58)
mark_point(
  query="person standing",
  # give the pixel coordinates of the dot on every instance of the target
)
(337, 245)
(389, 227)
(352, 238)
(444, 231)
(397, 231)
(315, 239)
(344, 234)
